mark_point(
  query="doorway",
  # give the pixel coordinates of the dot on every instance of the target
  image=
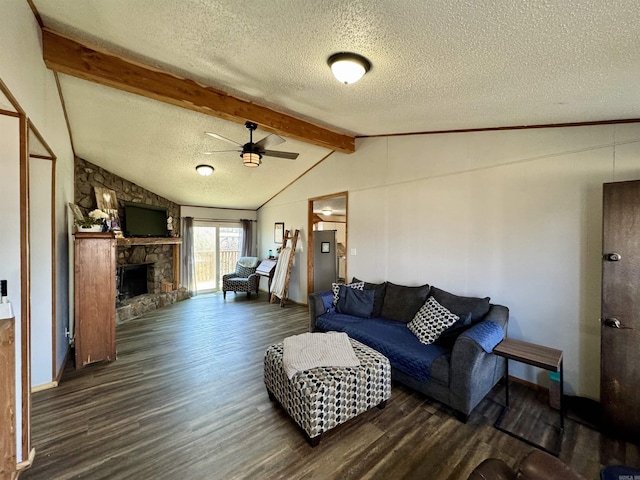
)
(216, 249)
(328, 213)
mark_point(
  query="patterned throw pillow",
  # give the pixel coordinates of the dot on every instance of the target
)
(430, 321)
(335, 287)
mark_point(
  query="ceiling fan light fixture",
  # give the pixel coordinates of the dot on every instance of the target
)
(327, 211)
(251, 159)
(348, 67)
(204, 170)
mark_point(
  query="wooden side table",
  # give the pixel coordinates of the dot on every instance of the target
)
(538, 356)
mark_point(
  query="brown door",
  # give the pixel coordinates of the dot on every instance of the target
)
(620, 330)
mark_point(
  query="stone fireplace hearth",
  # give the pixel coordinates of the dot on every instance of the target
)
(147, 276)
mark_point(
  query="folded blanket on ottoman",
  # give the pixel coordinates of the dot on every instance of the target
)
(311, 350)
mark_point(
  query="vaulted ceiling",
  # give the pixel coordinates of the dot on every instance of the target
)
(436, 65)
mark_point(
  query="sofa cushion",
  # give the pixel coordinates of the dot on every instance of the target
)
(392, 339)
(431, 320)
(355, 302)
(462, 306)
(335, 288)
(401, 303)
(378, 298)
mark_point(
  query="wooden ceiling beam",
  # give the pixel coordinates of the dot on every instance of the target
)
(69, 56)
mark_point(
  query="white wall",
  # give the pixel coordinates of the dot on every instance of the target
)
(23, 72)
(514, 215)
(40, 174)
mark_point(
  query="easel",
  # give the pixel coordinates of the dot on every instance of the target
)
(289, 266)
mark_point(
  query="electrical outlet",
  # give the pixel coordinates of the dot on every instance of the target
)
(353, 252)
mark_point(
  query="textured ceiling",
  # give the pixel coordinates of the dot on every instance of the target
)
(436, 65)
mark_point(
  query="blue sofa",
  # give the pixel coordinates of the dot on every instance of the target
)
(458, 369)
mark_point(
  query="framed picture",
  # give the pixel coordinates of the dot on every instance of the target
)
(278, 232)
(114, 220)
(106, 199)
(325, 247)
(77, 213)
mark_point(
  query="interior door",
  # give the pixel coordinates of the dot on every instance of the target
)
(325, 265)
(620, 330)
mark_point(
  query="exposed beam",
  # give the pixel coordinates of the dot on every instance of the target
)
(66, 55)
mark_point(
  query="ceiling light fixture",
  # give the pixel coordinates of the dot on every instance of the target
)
(251, 159)
(327, 211)
(348, 67)
(204, 170)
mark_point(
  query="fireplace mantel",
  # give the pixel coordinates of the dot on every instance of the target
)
(176, 242)
(130, 241)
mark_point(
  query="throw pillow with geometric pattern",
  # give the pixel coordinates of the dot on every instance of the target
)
(431, 320)
(335, 287)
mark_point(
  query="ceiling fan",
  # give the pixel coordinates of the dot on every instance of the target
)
(252, 153)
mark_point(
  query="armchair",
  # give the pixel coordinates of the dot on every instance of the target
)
(244, 279)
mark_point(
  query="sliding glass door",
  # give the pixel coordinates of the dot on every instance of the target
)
(217, 248)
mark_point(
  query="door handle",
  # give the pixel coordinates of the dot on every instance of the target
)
(611, 322)
(612, 257)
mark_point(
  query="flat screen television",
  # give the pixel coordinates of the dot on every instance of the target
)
(142, 220)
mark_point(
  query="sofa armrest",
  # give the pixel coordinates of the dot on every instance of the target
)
(254, 280)
(316, 308)
(474, 372)
(227, 276)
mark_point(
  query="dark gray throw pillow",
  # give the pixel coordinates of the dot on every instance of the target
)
(401, 303)
(355, 302)
(378, 296)
(462, 306)
(448, 337)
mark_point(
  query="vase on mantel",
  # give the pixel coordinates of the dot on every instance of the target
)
(92, 228)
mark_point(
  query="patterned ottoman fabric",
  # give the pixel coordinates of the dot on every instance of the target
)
(324, 397)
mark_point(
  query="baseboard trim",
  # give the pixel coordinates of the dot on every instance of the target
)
(44, 386)
(23, 465)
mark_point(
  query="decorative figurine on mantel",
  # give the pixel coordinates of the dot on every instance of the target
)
(170, 225)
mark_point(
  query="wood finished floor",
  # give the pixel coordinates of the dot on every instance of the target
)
(185, 400)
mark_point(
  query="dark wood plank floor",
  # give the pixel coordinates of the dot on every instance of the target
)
(185, 400)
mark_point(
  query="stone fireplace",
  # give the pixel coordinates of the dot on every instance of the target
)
(160, 254)
(147, 276)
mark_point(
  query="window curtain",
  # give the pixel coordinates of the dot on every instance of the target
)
(248, 239)
(188, 258)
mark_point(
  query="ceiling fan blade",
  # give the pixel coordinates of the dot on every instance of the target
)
(270, 141)
(275, 153)
(219, 151)
(220, 137)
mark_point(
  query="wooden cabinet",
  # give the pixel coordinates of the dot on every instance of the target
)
(95, 297)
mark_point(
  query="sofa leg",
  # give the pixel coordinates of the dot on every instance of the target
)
(462, 417)
(313, 441)
(224, 294)
(248, 294)
(382, 404)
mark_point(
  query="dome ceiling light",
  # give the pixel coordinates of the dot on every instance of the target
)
(204, 170)
(348, 67)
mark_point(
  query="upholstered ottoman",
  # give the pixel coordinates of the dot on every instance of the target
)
(324, 397)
